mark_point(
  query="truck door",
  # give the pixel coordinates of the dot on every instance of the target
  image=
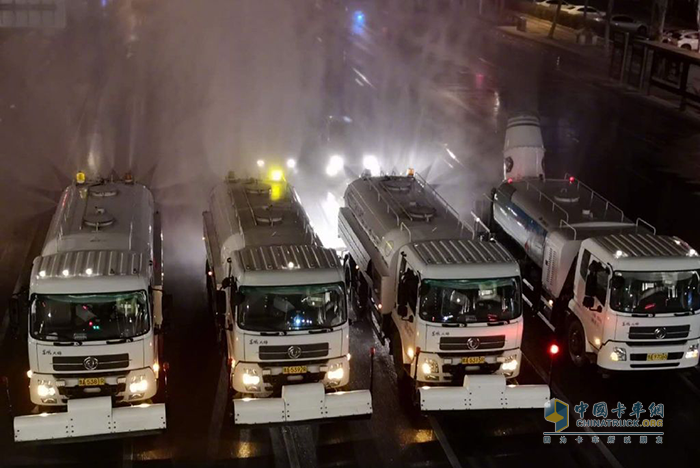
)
(592, 293)
(407, 304)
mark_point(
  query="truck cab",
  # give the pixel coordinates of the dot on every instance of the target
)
(280, 298)
(95, 318)
(637, 302)
(458, 310)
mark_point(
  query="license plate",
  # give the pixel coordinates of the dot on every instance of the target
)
(473, 360)
(657, 356)
(91, 382)
(294, 370)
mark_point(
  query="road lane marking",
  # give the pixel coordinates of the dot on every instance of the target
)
(218, 412)
(603, 449)
(444, 443)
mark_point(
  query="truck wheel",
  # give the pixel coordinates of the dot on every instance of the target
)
(576, 343)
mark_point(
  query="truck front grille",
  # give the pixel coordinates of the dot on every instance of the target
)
(471, 343)
(673, 332)
(286, 352)
(90, 363)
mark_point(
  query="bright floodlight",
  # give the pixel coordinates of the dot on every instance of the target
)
(261, 163)
(371, 164)
(335, 165)
(291, 163)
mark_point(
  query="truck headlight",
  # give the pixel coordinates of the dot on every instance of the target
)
(511, 365)
(692, 352)
(618, 354)
(138, 385)
(430, 368)
(336, 373)
(251, 379)
(46, 389)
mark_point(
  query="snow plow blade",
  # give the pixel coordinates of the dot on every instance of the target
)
(89, 417)
(302, 402)
(483, 392)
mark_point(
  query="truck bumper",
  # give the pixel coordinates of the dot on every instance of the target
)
(446, 368)
(481, 392)
(90, 417)
(302, 402)
(620, 356)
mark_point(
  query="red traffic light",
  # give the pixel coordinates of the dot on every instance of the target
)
(554, 349)
(571, 179)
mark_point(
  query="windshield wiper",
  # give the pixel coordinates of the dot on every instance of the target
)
(321, 330)
(63, 340)
(495, 324)
(453, 325)
(120, 340)
(275, 333)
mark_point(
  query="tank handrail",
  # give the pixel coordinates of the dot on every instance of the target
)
(594, 195)
(448, 208)
(646, 224)
(478, 222)
(353, 192)
(381, 197)
(564, 224)
(542, 195)
(426, 186)
(408, 231)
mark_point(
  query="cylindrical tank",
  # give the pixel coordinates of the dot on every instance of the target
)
(523, 152)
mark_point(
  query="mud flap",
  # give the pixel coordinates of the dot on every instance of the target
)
(483, 392)
(89, 417)
(302, 402)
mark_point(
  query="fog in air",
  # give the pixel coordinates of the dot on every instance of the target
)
(213, 86)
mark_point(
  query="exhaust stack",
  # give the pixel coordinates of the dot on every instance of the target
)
(523, 152)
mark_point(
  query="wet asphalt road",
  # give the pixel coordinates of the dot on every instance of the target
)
(181, 94)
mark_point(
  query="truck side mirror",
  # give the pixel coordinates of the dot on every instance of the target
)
(424, 289)
(238, 298)
(591, 284)
(221, 302)
(226, 283)
(618, 282)
(588, 302)
(402, 310)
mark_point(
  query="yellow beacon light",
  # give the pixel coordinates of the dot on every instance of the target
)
(276, 175)
(80, 178)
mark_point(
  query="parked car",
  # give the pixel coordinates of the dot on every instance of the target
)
(578, 10)
(553, 4)
(628, 24)
(685, 39)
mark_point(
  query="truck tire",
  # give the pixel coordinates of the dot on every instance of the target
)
(576, 343)
(397, 354)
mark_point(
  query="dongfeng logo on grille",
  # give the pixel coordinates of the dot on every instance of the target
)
(91, 363)
(294, 352)
(473, 343)
(660, 333)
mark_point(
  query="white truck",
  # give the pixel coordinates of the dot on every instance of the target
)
(625, 298)
(282, 299)
(95, 318)
(449, 304)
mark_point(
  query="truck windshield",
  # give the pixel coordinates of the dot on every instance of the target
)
(470, 301)
(290, 308)
(90, 317)
(655, 292)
